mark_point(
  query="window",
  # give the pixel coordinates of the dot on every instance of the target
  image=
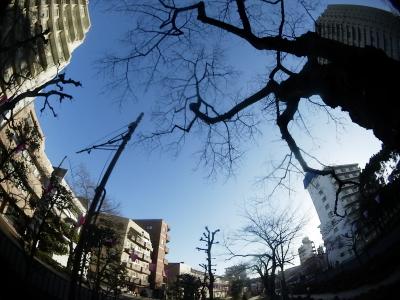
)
(149, 227)
(327, 206)
(335, 230)
(320, 192)
(323, 199)
(342, 254)
(317, 185)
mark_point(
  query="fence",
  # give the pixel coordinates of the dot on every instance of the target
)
(44, 282)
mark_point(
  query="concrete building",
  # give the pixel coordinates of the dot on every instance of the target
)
(361, 26)
(174, 269)
(334, 229)
(132, 238)
(15, 200)
(221, 287)
(306, 250)
(19, 193)
(28, 65)
(158, 230)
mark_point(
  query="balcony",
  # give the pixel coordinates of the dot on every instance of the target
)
(146, 258)
(168, 237)
(145, 270)
(140, 241)
(166, 249)
(136, 280)
(148, 245)
(136, 267)
(144, 282)
(165, 261)
(131, 236)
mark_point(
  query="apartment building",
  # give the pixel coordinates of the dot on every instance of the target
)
(306, 250)
(25, 173)
(334, 228)
(361, 26)
(159, 235)
(27, 65)
(174, 269)
(134, 249)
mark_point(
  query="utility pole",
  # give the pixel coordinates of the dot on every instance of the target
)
(94, 207)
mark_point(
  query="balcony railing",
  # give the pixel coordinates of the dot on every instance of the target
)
(148, 245)
(136, 267)
(145, 270)
(146, 258)
(144, 282)
(165, 261)
(140, 241)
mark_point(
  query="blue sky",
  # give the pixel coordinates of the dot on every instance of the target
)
(161, 185)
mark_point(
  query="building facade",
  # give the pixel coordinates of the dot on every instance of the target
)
(335, 229)
(306, 250)
(361, 26)
(132, 240)
(159, 235)
(173, 270)
(31, 63)
(21, 194)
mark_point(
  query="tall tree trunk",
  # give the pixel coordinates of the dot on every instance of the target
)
(284, 290)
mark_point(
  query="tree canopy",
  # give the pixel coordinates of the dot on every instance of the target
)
(180, 47)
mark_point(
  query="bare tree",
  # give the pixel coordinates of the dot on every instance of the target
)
(209, 239)
(106, 273)
(84, 186)
(178, 47)
(274, 232)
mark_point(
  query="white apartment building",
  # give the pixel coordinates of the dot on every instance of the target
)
(306, 250)
(35, 64)
(361, 26)
(68, 215)
(334, 229)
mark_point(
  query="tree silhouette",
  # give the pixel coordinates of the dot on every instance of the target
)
(190, 285)
(274, 232)
(179, 46)
(209, 239)
(84, 187)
